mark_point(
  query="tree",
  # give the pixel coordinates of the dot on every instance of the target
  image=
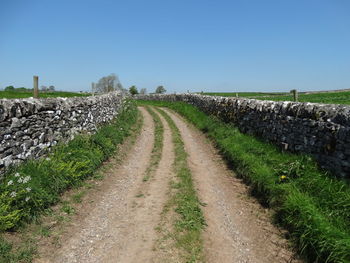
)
(10, 88)
(133, 90)
(108, 83)
(160, 90)
(51, 88)
(21, 89)
(43, 88)
(143, 91)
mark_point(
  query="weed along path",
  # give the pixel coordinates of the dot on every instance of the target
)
(171, 199)
(238, 228)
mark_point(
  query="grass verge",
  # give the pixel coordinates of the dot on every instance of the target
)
(31, 188)
(157, 146)
(190, 223)
(312, 205)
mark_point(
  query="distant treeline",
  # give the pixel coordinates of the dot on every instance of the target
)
(20, 89)
(23, 89)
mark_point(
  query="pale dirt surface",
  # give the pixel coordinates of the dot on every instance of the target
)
(239, 229)
(120, 225)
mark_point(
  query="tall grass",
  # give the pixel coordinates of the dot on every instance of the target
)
(312, 205)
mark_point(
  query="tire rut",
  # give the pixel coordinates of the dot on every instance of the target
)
(239, 229)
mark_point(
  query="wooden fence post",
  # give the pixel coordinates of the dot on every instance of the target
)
(36, 87)
(295, 94)
(93, 88)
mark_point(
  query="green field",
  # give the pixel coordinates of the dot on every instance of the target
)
(327, 97)
(243, 94)
(18, 95)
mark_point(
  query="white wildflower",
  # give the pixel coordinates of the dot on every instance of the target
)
(26, 179)
(28, 189)
(20, 180)
(48, 159)
(13, 194)
(10, 182)
(16, 174)
(27, 199)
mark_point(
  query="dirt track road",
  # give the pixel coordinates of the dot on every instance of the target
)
(120, 224)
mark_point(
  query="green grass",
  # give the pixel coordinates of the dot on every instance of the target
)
(77, 197)
(241, 94)
(157, 146)
(67, 208)
(18, 95)
(327, 98)
(312, 205)
(191, 221)
(24, 253)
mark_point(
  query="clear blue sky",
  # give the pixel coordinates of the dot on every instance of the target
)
(247, 45)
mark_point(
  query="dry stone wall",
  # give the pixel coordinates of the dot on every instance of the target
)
(322, 130)
(28, 127)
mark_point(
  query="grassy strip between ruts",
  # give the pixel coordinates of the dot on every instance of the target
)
(157, 146)
(312, 205)
(189, 225)
(29, 189)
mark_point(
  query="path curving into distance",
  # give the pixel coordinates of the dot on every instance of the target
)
(122, 223)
